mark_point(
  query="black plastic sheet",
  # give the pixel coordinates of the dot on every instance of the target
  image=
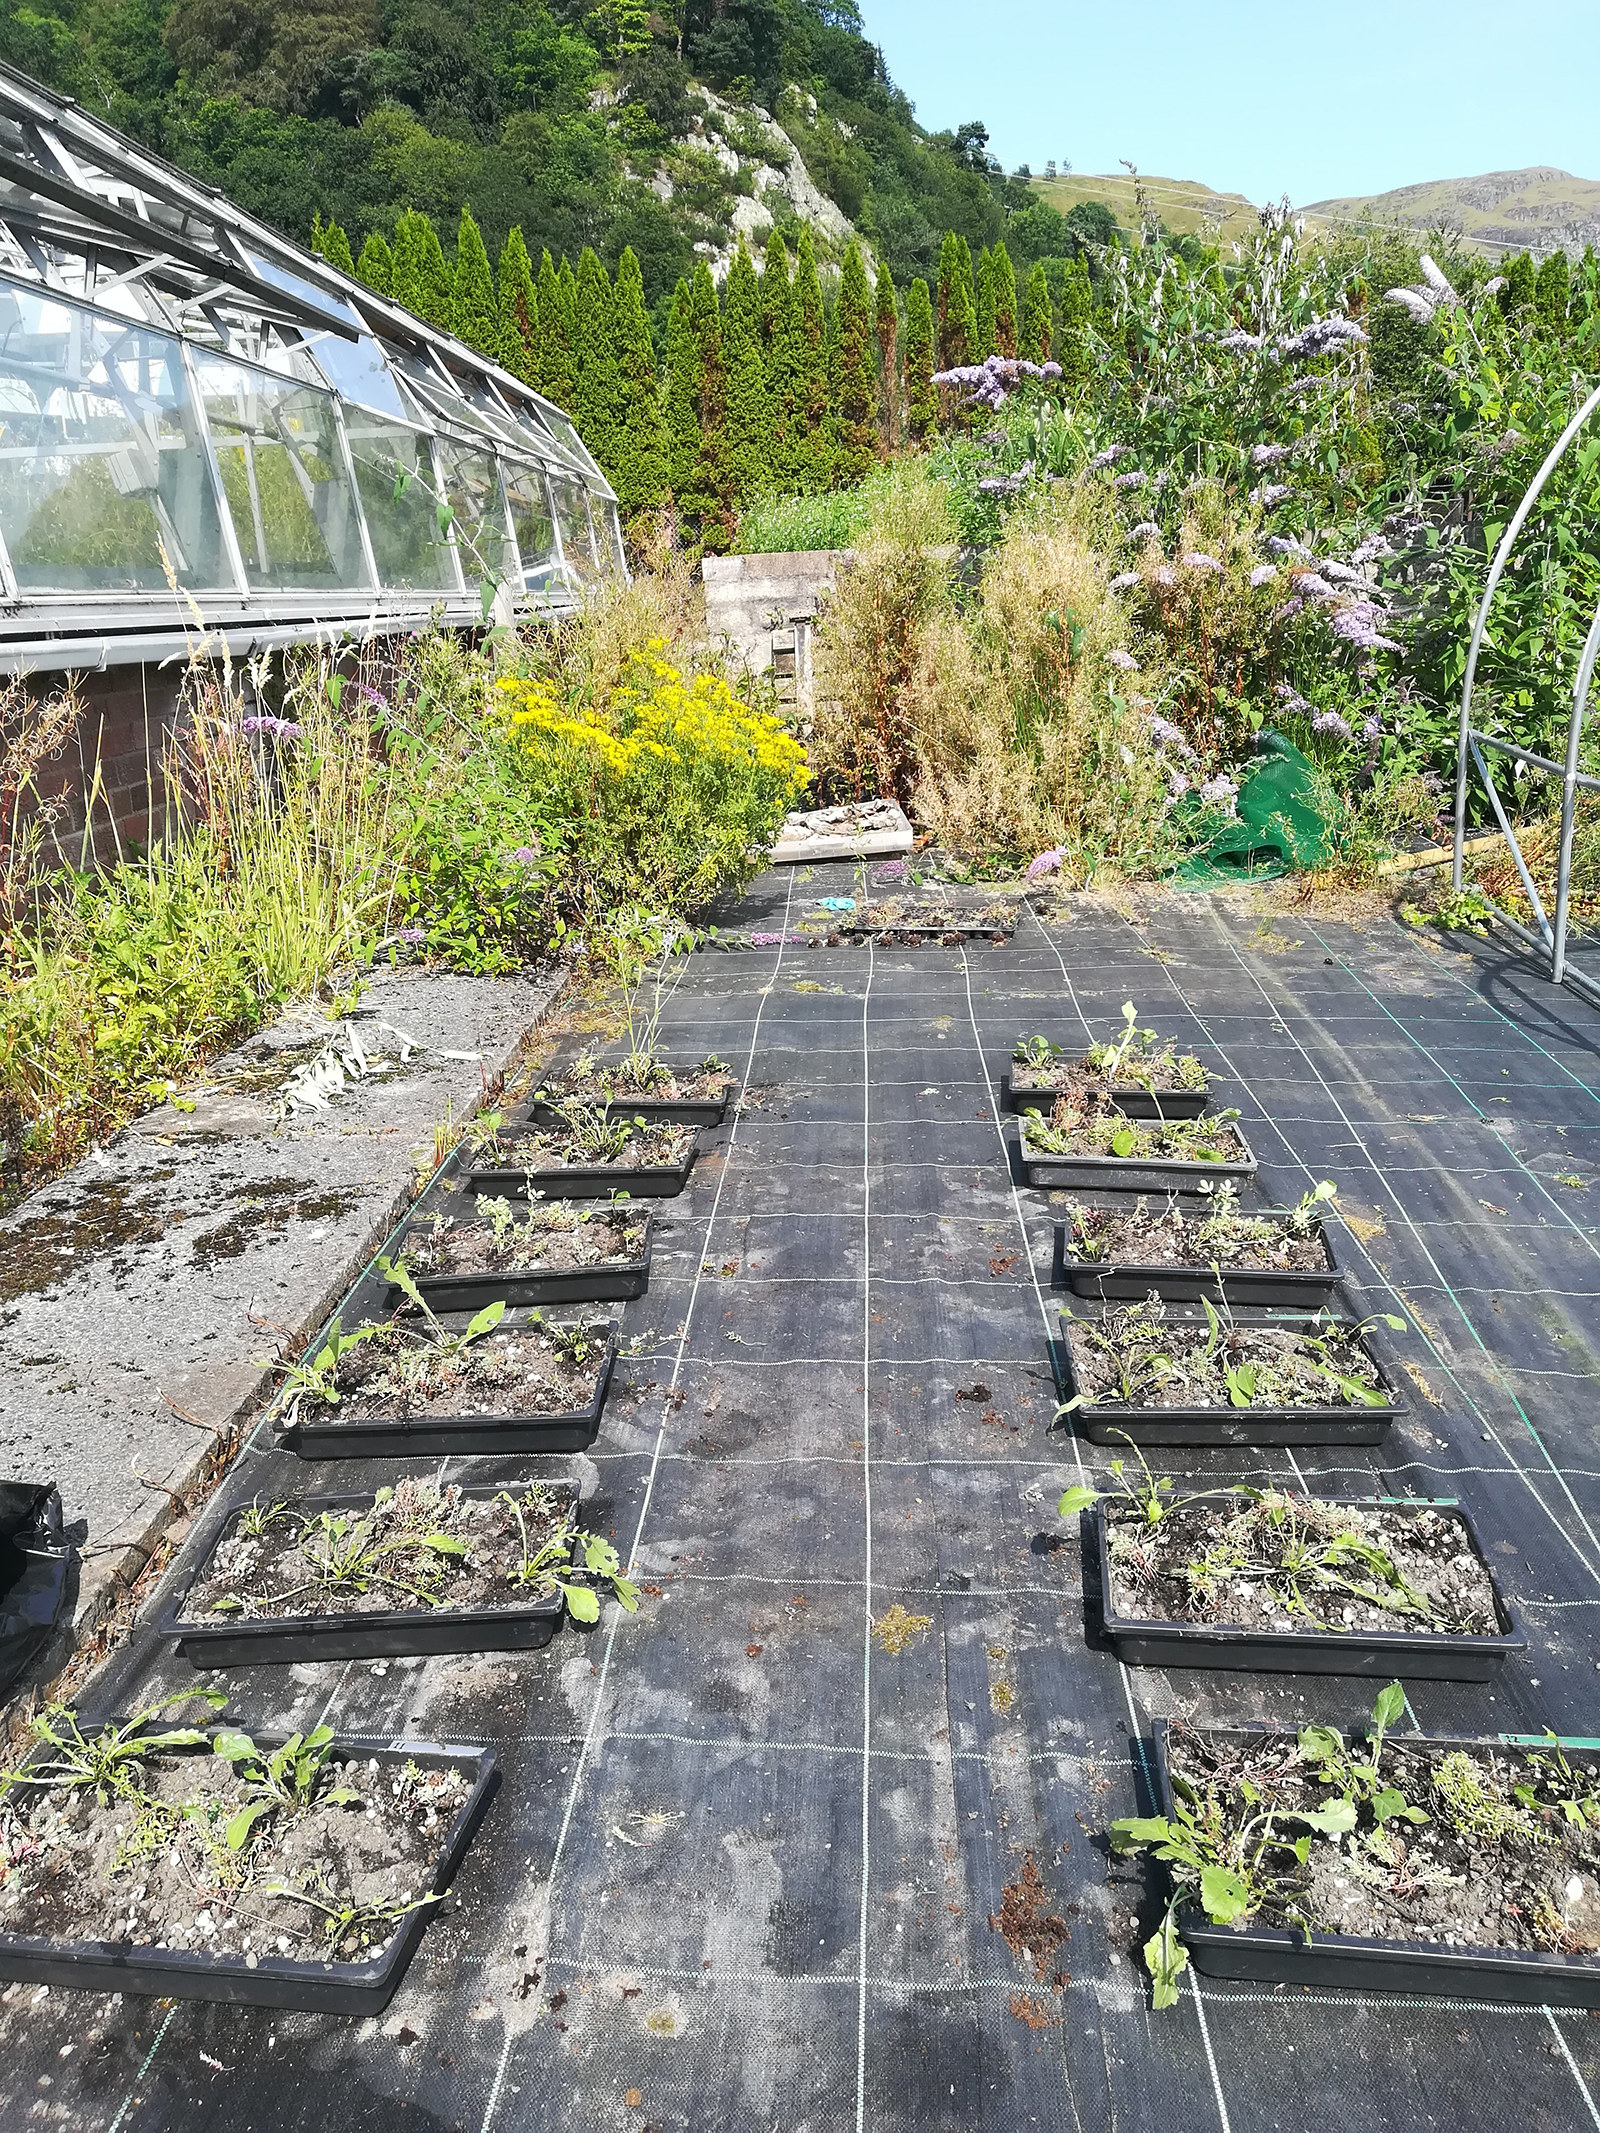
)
(34, 1562)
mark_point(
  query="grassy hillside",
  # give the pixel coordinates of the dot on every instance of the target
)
(1183, 204)
(1503, 210)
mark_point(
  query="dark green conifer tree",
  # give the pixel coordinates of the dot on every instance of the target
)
(335, 249)
(682, 372)
(475, 314)
(1074, 347)
(408, 243)
(1033, 339)
(519, 309)
(813, 447)
(958, 340)
(709, 505)
(749, 414)
(887, 323)
(1552, 293)
(779, 356)
(556, 377)
(855, 384)
(375, 267)
(922, 395)
(1517, 297)
(436, 282)
(984, 294)
(1003, 289)
(642, 470)
(597, 409)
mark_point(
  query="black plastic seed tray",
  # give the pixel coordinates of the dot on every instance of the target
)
(1127, 1173)
(313, 1988)
(1130, 1098)
(1278, 1289)
(1415, 1655)
(613, 1281)
(1105, 1423)
(451, 1436)
(394, 1633)
(1279, 1956)
(583, 1181)
(540, 1110)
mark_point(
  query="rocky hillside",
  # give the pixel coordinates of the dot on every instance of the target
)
(1504, 210)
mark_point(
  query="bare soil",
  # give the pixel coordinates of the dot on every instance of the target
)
(276, 1561)
(1508, 1857)
(1166, 1236)
(1295, 1563)
(153, 1869)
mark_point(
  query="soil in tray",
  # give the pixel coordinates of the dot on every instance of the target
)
(1039, 1068)
(1273, 1562)
(608, 1141)
(1142, 1358)
(1148, 1234)
(416, 1546)
(151, 1864)
(1081, 1125)
(397, 1370)
(547, 1237)
(589, 1082)
(1481, 1845)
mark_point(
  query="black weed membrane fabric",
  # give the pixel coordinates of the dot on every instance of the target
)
(743, 1869)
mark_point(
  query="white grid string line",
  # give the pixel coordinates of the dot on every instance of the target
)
(1518, 1030)
(1382, 1279)
(1082, 1471)
(866, 1478)
(1572, 2067)
(1499, 1370)
(740, 1746)
(493, 2101)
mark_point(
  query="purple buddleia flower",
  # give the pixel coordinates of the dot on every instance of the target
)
(1286, 544)
(1241, 343)
(1357, 624)
(1146, 530)
(891, 870)
(1268, 455)
(1292, 700)
(1166, 735)
(374, 697)
(1331, 722)
(1320, 338)
(1372, 551)
(1165, 576)
(1134, 480)
(1372, 730)
(1125, 660)
(1271, 494)
(1177, 785)
(413, 936)
(1220, 791)
(277, 729)
(524, 855)
(1290, 608)
(1309, 385)
(1124, 581)
(1312, 587)
(1263, 574)
(995, 378)
(1109, 457)
(1342, 574)
(1046, 863)
(1197, 559)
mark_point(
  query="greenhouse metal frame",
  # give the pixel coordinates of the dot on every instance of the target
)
(208, 433)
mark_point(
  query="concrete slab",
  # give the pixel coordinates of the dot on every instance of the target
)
(144, 1295)
(860, 829)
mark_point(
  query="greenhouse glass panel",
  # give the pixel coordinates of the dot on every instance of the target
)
(568, 440)
(472, 489)
(406, 513)
(572, 516)
(283, 474)
(104, 480)
(530, 515)
(609, 527)
(358, 371)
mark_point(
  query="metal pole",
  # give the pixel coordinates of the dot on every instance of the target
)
(1501, 558)
(1569, 793)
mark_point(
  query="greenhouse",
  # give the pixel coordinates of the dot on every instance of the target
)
(204, 428)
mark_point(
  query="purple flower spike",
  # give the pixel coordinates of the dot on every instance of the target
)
(1220, 791)
(1124, 581)
(1125, 660)
(413, 936)
(1331, 722)
(1322, 337)
(1109, 457)
(1372, 730)
(1146, 530)
(1263, 574)
(1268, 455)
(1271, 494)
(1197, 559)
(525, 855)
(277, 729)
(1046, 863)
(1135, 480)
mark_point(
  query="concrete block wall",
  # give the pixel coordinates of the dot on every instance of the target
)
(766, 608)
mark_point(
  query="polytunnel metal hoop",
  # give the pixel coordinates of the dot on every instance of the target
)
(1548, 937)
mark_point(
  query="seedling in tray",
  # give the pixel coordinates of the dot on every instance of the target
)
(1140, 1355)
(146, 1857)
(639, 1074)
(1076, 1127)
(1278, 1257)
(1136, 1060)
(585, 1137)
(1413, 1862)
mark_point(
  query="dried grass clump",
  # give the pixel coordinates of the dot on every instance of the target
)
(1029, 735)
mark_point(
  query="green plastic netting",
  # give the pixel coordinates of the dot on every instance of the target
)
(1284, 821)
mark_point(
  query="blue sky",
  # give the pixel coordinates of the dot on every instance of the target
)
(1310, 100)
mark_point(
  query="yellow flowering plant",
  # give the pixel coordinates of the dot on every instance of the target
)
(669, 782)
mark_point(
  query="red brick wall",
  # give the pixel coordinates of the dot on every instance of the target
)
(109, 768)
